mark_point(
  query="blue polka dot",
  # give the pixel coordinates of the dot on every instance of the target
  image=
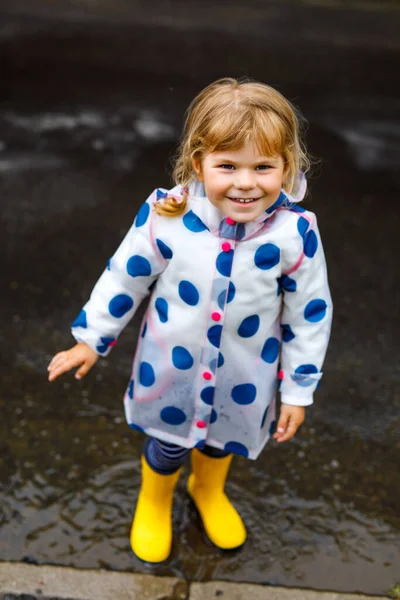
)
(146, 374)
(264, 417)
(301, 373)
(214, 335)
(142, 215)
(144, 329)
(287, 333)
(236, 448)
(310, 244)
(267, 256)
(120, 305)
(138, 265)
(106, 342)
(286, 283)
(315, 310)
(161, 306)
(109, 264)
(249, 326)
(136, 427)
(193, 223)
(302, 226)
(188, 293)
(270, 350)
(229, 296)
(244, 393)
(181, 358)
(213, 416)
(272, 428)
(207, 395)
(164, 249)
(173, 415)
(214, 363)
(130, 389)
(200, 445)
(81, 320)
(224, 263)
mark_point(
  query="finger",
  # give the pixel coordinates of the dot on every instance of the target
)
(57, 358)
(63, 365)
(84, 370)
(289, 433)
(282, 425)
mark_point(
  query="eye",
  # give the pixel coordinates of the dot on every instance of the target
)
(263, 167)
(227, 167)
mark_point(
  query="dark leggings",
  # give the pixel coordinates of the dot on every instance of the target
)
(165, 458)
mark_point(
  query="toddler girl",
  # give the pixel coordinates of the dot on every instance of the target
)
(239, 300)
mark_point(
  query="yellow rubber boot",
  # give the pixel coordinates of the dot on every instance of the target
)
(221, 520)
(151, 533)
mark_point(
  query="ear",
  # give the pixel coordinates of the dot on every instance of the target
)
(196, 163)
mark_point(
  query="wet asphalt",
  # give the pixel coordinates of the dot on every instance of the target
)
(91, 108)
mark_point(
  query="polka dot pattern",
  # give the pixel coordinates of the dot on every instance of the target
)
(310, 244)
(267, 256)
(138, 266)
(105, 343)
(81, 320)
(188, 293)
(315, 310)
(214, 363)
(272, 428)
(301, 375)
(165, 250)
(287, 333)
(136, 427)
(120, 305)
(270, 350)
(146, 374)
(161, 306)
(213, 417)
(244, 393)
(229, 296)
(172, 415)
(130, 389)
(236, 448)
(193, 223)
(286, 283)
(142, 215)
(214, 335)
(224, 263)
(207, 395)
(181, 358)
(302, 226)
(144, 330)
(249, 326)
(264, 417)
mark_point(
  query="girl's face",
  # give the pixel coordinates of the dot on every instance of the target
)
(242, 184)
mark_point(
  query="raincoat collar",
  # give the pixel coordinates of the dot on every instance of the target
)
(217, 222)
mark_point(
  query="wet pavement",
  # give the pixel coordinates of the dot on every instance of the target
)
(89, 117)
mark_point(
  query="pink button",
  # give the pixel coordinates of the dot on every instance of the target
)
(226, 246)
(216, 316)
(207, 375)
(230, 221)
(200, 424)
(280, 375)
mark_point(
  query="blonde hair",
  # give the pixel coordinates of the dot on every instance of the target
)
(225, 116)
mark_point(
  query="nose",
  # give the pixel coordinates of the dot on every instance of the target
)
(245, 179)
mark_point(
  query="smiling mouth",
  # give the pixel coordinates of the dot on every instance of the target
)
(243, 200)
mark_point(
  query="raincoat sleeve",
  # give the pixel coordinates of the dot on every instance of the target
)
(123, 285)
(306, 315)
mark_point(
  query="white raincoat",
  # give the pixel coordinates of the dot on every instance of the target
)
(230, 303)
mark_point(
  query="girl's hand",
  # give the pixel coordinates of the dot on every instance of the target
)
(290, 419)
(80, 355)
